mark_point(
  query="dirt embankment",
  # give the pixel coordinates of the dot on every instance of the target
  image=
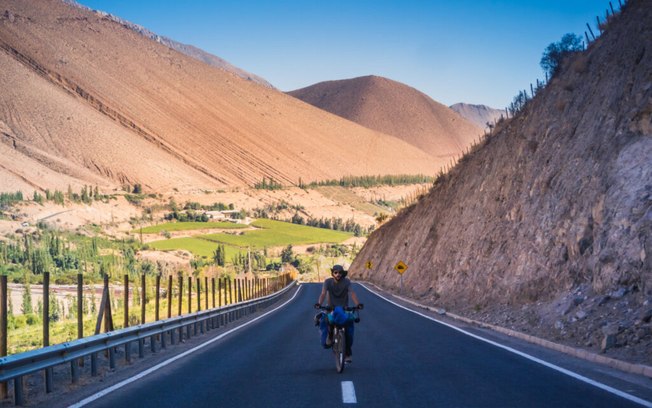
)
(547, 227)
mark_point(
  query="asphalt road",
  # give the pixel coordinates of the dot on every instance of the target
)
(400, 359)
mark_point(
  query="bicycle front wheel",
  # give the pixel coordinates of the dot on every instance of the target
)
(339, 348)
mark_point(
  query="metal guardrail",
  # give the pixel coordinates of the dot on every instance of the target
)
(15, 367)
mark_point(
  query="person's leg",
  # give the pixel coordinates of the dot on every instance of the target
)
(323, 327)
(350, 329)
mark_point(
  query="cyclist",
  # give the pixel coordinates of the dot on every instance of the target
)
(338, 288)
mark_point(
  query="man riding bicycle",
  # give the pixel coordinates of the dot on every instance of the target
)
(338, 288)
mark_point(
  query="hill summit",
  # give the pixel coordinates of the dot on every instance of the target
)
(395, 109)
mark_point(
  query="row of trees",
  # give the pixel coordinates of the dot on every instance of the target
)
(374, 181)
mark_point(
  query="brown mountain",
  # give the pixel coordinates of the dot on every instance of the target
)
(546, 227)
(396, 109)
(187, 49)
(86, 100)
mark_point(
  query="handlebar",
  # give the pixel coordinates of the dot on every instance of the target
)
(346, 309)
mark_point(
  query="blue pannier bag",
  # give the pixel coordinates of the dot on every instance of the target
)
(339, 316)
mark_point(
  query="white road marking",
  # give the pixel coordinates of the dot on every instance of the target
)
(348, 393)
(529, 357)
(173, 359)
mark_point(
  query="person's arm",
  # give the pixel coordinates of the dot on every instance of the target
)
(354, 297)
(322, 295)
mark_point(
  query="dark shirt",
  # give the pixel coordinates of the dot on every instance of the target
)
(338, 292)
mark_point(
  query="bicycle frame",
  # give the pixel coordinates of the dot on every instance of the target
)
(339, 335)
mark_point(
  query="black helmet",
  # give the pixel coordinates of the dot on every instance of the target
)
(339, 268)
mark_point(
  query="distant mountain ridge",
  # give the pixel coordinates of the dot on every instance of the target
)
(478, 114)
(189, 50)
(396, 109)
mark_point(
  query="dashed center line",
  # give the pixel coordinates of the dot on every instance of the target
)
(348, 393)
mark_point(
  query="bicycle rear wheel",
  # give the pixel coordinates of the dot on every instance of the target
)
(339, 348)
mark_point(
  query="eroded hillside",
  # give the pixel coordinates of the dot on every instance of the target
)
(89, 101)
(547, 227)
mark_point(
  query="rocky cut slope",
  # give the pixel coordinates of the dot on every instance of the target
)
(547, 226)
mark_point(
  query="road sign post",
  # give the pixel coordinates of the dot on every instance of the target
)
(401, 267)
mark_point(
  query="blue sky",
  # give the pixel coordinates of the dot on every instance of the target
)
(473, 51)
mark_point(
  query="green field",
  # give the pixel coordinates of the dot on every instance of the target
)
(269, 234)
(278, 233)
(188, 226)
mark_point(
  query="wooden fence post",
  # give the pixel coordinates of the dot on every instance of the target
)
(80, 306)
(213, 290)
(46, 309)
(157, 302)
(143, 298)
(198, 294)
(180, 293)
(126, 300)
(3, 327)
(189, 294)
(169, 296)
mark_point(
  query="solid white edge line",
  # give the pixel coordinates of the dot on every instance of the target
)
(348, 393)
(121, 384)
(527, 356)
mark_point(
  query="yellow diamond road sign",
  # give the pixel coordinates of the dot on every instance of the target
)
(369, 265)
(400, 267)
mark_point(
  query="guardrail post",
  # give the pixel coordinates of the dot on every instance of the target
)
(3, 327)
(74, 372)
(152, 343)
(111, 358)
(141, 348)
(19, 397)
(94, 364)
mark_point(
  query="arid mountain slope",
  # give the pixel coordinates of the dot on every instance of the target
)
(85, 97)
(478, 114)
(396, 109)
(187, 49)
(547, 226)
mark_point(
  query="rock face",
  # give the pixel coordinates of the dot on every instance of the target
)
(554, 206)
